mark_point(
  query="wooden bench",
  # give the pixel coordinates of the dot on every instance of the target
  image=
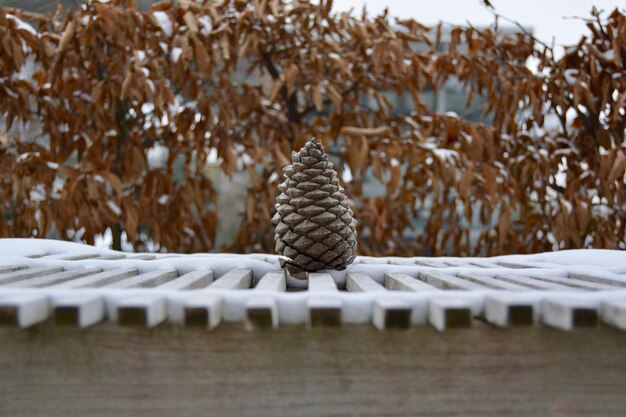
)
(96, 333)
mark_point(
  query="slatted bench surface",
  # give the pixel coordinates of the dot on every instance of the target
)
(146, 290)
(88, 332)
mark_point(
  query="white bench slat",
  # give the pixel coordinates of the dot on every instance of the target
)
(272, 281)
(237, 279)
(518, 265)
(80, 310)
(142, 257)
(429, 263)
(24, 310)
(490, 282)
(404, 282)
(324, 310)
(614, 313)
(485, 264)
(70, 257)
(387, 312)
(446, 281)
(573, 282)
(567, 314)
(147, 310)
(449, 313)
(10, 268)
(391, 313)
(359, 282)
(534, 283)
(456, 263)
(111, 257)
(203, 310)
(98, 280)
(261, 312)
(19, 275)
(54, 278)
(190, 281)
(321, 281)
(598, 279)
(506, 310)
(146, 280)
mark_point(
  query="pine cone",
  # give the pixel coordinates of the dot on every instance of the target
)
(314, 225)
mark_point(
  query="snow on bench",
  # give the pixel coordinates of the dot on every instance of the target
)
(68, 284)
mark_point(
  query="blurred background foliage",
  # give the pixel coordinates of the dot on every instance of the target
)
(165, 126)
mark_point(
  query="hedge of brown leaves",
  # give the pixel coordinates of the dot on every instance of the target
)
(254, 80)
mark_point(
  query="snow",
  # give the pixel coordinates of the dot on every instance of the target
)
(114, 207)
(292, 307)
(571, 76)
(175, 54)
(247, 160)
(21, 25)
(164, 22)
(207, 25)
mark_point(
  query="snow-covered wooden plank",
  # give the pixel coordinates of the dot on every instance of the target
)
(324, 310)
(190, 281)
(272, 281)
(404, 282)
(11, 268)
(19, 275)
(24, 310)
(490, 282)
(142, 257)
(507, 310)
(573, 282)
(111, 257)
(569, 313)
(261, 312)
(534, 283)
(321, 281)
(456, 263)
(449, 313)
(98, 280)
(37, 255)
(387, 312)
(485, 264)
(448, 282)
(429, 263)
(203, 310)
(359, 282)
(54, 278)
(614, 313)
(146, 280)
(518, 264)
(146, 310)
(79, 310)
(391, 313)
(237, 279)
(70, 257)
(598, 279)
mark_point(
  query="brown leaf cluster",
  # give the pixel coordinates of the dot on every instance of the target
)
(254, 80)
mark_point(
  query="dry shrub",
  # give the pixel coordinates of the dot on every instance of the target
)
(254, 80)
